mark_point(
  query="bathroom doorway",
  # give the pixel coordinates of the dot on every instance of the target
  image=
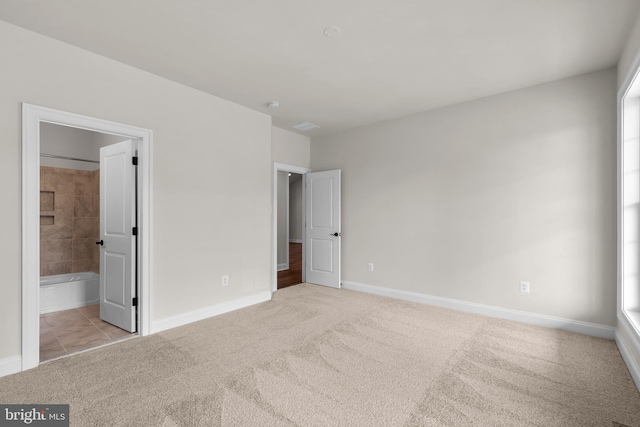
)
(35, 119)
(70, 315)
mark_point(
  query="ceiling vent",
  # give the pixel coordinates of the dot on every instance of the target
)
(305, 126)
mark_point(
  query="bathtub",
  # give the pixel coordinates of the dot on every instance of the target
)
(67, 291)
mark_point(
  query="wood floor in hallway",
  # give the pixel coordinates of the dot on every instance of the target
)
(293, 275)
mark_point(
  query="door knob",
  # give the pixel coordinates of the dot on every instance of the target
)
(101, 243)
(336, 234)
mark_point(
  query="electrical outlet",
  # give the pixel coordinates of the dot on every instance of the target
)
(370, 267)
(225, 280)
(524, 287)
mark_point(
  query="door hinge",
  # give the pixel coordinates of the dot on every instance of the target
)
(135, 160)
(135, 231)
(135, 302)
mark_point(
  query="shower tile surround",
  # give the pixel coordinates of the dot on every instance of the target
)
(69, 221)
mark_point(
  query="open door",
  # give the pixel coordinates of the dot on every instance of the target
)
(323, 228)
(117, 222)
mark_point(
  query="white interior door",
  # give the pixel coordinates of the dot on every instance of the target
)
(323, 228)
(117, 219)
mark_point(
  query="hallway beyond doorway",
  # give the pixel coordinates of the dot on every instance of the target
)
(293, 275)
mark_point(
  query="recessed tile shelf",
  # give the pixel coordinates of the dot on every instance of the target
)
(47, 207)
(47, 219)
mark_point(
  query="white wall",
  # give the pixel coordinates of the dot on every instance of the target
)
(464, 202)
(208, 219)
(290, 148)
(72, 142)
(631, 49)
(67, 141)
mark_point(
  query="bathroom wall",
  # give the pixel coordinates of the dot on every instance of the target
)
(69, 220)
(68, 141)
(70, 247)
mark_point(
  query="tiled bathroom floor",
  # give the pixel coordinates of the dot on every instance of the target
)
(70, 331)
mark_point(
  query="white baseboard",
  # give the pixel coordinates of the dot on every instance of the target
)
(284, 266)
(10, 365)
(295, 240)
(580, 327)
(627, 339)
(213, 310)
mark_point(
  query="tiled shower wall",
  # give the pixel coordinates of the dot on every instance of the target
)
(69, 221)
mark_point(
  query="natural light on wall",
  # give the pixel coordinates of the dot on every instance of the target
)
(628, 219)
(630, 201)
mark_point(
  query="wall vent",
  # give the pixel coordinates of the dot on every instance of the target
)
(305, 126)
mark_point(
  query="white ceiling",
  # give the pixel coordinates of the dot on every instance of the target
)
(391, 59)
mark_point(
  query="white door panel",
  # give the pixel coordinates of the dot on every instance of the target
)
(321, 263)
(114, 277)
(323, 228)
(117, 219)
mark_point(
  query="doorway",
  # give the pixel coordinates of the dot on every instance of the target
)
(71, 212)
(290, 228)
(33, 118)
(321, 247)
(288, 244)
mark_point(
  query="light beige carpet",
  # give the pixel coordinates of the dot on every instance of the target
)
(316, 356)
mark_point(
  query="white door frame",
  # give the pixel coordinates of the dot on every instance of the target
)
(274, 264)
(284, 265)
(32, 116)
